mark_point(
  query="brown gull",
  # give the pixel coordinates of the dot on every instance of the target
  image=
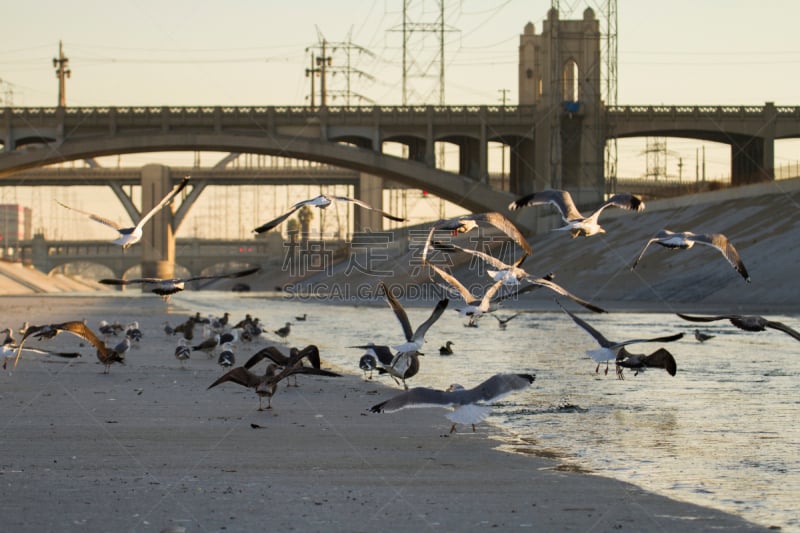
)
(746, 322)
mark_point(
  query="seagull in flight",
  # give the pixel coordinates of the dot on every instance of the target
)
(470, 405)
(575, 222)
(687, 239)
(615, 351)
(746, 322)
(466, 223)
(323, 201)
(130, 236)
(505, 275)
(414, 338)
(167, 287)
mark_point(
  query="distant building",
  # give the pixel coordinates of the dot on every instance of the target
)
(15, 224)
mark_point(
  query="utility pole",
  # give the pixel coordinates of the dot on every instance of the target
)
(503, 100)
(311, 73)
(319, 67)
(61, 65)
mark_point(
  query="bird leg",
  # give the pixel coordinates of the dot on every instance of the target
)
(473, 428)
(453, 428)
(606, 372)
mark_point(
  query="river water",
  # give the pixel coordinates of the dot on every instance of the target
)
(724, 432)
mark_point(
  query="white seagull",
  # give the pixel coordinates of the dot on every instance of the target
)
(167, 287)
(414, 338)
(470, 404)
(182, 351)
(615, 351)
(505, 275)
(130, 236)
(687, 239)
(323, 201)
(574, 221)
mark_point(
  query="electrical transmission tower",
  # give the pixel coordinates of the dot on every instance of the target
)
(415, 34)
(340, 65)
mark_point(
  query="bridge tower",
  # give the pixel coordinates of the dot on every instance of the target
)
(158, 238)
(560, 73)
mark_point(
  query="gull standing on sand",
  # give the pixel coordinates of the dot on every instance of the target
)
(687, 239)
(323, 201)
(208, 346)
(284, 331)
(615, 351)
(182, 351)
(574, 221)
(226, 357)
(376, 355)
(130, 236)
(470, 404)
(746, 322)
(167, 287)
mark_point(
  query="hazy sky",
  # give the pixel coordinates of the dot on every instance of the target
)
(255, 52)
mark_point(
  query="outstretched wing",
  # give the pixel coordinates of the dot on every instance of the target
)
(164, 201)
(435, 314)
(239, 274)
(783, 327)
(276, 221)
(270, 352)
(601, 340)
(553, 286)
(721, 243)
(367, 206)
(562, 200)
(646, 246)
(623, 201)
(240, 376)
(96, 218)
(399, 312)
(694, 318)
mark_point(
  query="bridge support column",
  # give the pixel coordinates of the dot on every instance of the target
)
(753, 158)
(158, 240)
(370, 190)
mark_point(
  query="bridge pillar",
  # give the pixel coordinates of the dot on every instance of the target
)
(40, 259)
(158, 239)
(370, 190)
(559, 73)
(753, 158)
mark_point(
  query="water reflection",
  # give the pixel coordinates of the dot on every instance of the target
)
(723, 432)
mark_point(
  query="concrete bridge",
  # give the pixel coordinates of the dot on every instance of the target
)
(556, 136)
(197, 256)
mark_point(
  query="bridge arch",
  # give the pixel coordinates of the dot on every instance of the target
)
(472, 194)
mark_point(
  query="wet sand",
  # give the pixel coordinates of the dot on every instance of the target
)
(148, 447)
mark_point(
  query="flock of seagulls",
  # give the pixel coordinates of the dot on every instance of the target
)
(401, 361)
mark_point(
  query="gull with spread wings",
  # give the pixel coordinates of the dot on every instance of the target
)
(323, 201)
(615, 351)
(470, 405)
(687, 239)
(130, 236)
(107, 356)
(746, 323)
(167, 287)
(574, 221)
